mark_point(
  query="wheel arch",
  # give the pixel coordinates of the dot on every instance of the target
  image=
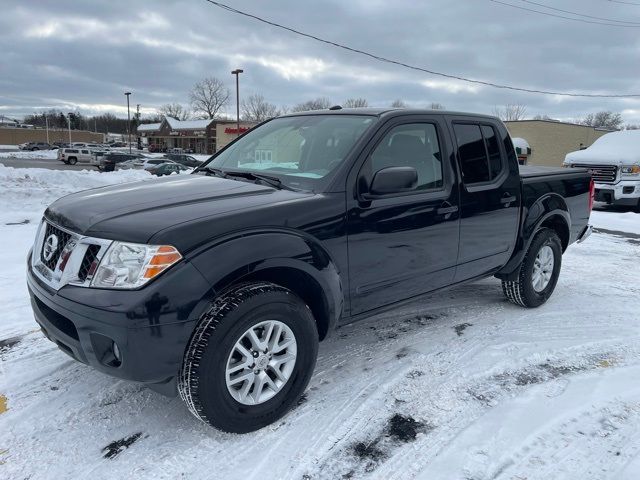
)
(549, 211)
(290, 259)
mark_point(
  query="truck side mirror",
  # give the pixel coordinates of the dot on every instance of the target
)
(394, 180)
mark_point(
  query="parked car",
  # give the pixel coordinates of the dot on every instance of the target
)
(186, 160)
(60, 144)
(219, 285)
(33, 146)
(166, 168)
(78, 145)
(614, 162)
(142, 163)
(71, 156)
(109, 161)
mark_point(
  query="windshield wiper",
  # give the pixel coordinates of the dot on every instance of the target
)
(268, 179)
(218, 172)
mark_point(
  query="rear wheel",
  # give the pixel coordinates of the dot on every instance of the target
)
(250, 358)
(538, 273)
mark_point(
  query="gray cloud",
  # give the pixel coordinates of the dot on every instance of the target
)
(84, 55)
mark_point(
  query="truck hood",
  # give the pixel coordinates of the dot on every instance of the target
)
(136, 211)
(616, 148)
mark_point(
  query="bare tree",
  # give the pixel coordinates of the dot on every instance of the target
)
(208, 96)
(544, 117)
(604, 119)
(175, 110)
(437, 106)
(256, 108)
(398, 104)
(355, 103)
(321, 103)
(510, 112)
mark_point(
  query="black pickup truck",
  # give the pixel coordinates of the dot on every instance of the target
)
(219, 285)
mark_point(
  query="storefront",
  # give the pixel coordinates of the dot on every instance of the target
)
(195, 136)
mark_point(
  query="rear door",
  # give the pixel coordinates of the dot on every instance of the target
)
(405, 244)
(489, 196)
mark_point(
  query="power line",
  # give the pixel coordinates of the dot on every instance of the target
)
(413, 67)
(563, 16)
(623, 3)
(578, 14)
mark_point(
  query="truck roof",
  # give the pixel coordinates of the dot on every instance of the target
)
(387, 112)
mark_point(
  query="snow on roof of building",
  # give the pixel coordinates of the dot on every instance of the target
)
(175, 124)
(618, 147)
(149, 127)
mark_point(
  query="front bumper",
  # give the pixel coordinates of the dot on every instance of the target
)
(625, 192)
(151, 326)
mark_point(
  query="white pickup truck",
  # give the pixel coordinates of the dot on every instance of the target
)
(614, 163)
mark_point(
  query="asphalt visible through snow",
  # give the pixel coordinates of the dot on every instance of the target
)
(50, 164)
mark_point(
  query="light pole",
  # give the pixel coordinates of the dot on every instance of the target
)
(69, 124)
(128, 120)
(237, 73)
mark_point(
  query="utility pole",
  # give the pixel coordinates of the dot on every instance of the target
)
(128, 120)
(46, 124)
(138, 142)
(237, 73)
(69, 123)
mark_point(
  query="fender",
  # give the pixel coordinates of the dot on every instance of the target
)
(273, 250)
(545, 208)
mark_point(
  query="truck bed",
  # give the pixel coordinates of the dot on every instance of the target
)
(532, 171)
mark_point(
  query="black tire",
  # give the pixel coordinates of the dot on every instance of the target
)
(201, 382)
(72, 161)
(521, 291)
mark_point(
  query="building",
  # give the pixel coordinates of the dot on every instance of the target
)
(549, 141)
(16, 136)
(199, 136)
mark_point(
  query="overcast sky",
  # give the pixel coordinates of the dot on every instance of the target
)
(84, 54)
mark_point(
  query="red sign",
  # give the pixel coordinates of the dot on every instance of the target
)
(235, 130)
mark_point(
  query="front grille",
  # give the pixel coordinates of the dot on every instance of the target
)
(53, 237)
(601, 173)
(88, 264)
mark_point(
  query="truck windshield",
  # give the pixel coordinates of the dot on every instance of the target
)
(300, 151)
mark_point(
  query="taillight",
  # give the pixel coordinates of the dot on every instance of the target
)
(592, 194)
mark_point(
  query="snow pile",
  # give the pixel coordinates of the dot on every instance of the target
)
(8, 147)
(26, 192)
(41, 154)
(616, 147)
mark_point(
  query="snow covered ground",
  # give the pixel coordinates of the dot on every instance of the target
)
(462, 385)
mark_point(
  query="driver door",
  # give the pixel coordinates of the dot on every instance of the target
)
(403, 244)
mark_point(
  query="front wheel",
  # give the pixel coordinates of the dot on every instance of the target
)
(538, 273)
(72, 161)
(250, 358)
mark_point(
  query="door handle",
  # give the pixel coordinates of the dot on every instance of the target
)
(508, 198)
(447, 210)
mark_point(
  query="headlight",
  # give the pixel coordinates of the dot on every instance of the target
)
(131, 265)
(630, 169)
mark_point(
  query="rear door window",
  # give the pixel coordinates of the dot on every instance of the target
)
(479, 152)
